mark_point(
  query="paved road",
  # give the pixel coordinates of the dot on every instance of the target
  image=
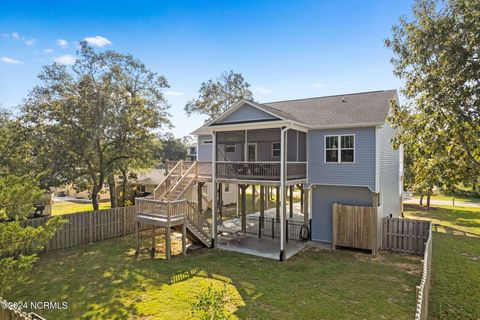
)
(442, 202)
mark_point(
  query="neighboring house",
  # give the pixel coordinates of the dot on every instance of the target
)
(337, 148)
(192, 152)
(147, 180)
(145, 183)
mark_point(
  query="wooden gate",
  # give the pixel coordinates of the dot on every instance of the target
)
(357, 227)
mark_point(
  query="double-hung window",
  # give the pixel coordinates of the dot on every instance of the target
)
(276, 150)
(340, 148)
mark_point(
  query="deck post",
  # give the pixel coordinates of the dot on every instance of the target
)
(243, 208)
(184, 237)
(152, 252)
(262, 206)
(220, 199)
(302, 207)
(290, 200)
(168, 243)
(137, 238)
(199, 197)
(305, 206)
(277, 202)
(283, 219)
(253, 197)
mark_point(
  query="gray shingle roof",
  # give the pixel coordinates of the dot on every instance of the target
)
(343, 110)
(339, 110)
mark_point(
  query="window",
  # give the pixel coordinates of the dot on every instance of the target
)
(142, 189)
(230, 148)
(343, 152)
(227, 188)
(207, 142)
(347, 148)
(276, 150)
(193, 150)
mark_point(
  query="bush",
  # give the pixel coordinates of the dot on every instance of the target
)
(211, 304)
(17, 250)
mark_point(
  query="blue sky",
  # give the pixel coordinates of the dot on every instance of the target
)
(285, 49)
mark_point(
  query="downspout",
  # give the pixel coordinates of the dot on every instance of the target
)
(214, 185)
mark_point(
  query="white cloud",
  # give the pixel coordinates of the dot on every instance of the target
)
(98, 41)
(8, 60)
(17, 37)
(319, 85)
(66, 59)
(261, 90)
(48, 50)
(62, 43)
(173, 93)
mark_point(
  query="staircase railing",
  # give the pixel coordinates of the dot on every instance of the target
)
(190, 174)
(164, 186)
(200, 221)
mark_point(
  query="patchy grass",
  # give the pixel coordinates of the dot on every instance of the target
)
(105, 281)
(65, 207)
(455, 277)
(465, 219)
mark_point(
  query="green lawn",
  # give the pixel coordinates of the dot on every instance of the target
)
(460, 218)
(450, 198)
(65, 207)
(104, 281)
(455, 277)
(456, 260)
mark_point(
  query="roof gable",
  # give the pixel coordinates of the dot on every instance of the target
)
(244, 112)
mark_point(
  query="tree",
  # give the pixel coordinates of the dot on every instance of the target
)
(216, 96)
(437, 55)
(171, 148)
(96, 117)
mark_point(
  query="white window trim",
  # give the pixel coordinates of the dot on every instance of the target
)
(207, 141)
(230, 145)
(339, 153)
(271, 152)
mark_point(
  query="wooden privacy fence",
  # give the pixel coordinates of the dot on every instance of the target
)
(89, 226)
(357, 227)
(405, 235)
(9, 311)
(423, 290)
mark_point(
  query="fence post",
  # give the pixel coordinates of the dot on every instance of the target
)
(286, 231)
(90, 222)
(259, 227)
(273, 228)
(124, 221)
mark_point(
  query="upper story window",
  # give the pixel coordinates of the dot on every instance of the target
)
(207, 142)
(340, 148)
(276, 150)
(192, 150)
(230, 148)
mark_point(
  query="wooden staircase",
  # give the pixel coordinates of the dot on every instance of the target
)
(177, 185)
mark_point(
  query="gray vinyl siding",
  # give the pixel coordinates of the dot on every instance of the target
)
(360, 173)
(389, 171)
(204, 151)
(324, 197)
(247, 113)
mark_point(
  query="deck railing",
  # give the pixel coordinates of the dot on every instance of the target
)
(204, 169)
(167, 209)
(263, 170)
